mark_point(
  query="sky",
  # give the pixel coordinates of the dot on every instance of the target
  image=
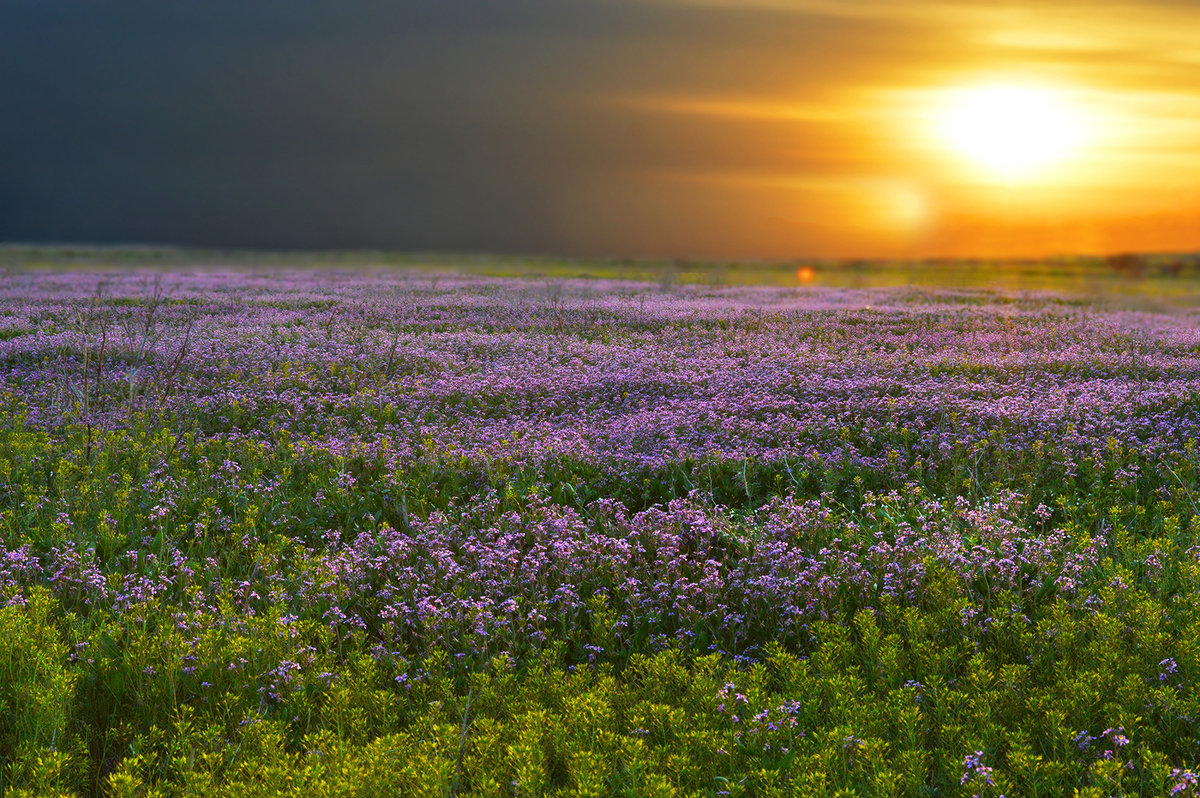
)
(672, 128)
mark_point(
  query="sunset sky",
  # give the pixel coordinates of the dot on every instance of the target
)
(780, 128)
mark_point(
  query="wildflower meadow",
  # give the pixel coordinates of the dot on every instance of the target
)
(367, 533)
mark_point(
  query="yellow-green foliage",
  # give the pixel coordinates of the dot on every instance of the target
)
(36, 692)
(965, 687)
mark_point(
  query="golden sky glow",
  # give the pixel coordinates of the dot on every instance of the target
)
(944, 128)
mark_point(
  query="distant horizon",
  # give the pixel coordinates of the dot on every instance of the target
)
(85, 247)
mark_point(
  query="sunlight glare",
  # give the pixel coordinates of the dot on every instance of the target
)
(1010, 132)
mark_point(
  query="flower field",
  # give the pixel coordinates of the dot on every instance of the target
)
(388, 533)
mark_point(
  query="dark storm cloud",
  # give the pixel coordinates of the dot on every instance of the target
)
(269, 124)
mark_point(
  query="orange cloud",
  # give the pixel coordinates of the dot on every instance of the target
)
(848, 157)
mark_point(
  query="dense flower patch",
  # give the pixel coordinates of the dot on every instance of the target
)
(320, 533)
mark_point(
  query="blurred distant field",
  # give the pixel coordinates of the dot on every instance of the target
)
(372, 525)
(1164, 280)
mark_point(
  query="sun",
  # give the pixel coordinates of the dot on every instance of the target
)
(1012, 133)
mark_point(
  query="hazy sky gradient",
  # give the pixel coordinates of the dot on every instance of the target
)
(611, 127)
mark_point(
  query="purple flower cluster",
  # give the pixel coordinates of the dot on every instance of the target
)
(616, 374)
(403, 371)
(484, 581)
(1185, 782)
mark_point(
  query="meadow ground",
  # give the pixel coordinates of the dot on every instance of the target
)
(400, 532)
